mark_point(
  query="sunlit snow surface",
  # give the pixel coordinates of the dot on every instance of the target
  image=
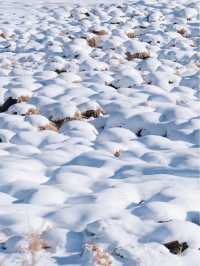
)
(99, 150)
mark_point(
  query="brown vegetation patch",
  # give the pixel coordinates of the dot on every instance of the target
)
(140, 55)
(60, 122)
(3, 35)
(56, 124)
(92, 113)
(100, 32)
(60, 71)
(32, 111)
(10, 101)
(175, 247)
(131, 34)
(117, 153)
(101, 257)
(51, 126)
(36, 243)
(23, 98)
(182, 31)
(93, 41)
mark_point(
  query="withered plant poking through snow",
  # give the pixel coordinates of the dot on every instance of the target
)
(100, 256)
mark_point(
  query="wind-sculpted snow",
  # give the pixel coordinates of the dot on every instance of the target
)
(99, 133)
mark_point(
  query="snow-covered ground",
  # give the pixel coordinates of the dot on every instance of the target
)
(99, 133)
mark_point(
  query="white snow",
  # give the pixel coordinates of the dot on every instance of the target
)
(99, 133)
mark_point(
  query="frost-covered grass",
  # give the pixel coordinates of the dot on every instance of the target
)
(99, 133)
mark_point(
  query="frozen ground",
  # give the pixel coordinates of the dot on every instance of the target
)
(99, 134)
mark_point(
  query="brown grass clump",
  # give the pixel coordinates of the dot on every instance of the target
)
(117, 153)
(93, 41)
(92, 113)
(6, 36)
(101, 257)
(100, 32)
(140, 55)
(60, 122)
(175, 247)
(51, 126)
(77, 115)
(131, 34)
(56, 124)
(35, 245)
(60, 71)
(33, 111)
(182, 31)
(23, 98)
(3, 35)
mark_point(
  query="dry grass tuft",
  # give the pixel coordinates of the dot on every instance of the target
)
(117, 153)
(60, 122)
(77, 115)
(56, 124)
(101, 257)
(51, 126)
(140, 55)
(36, 243)
(60, 71)
(3, 35)
(23, 98)
(131, 34)
(182, 31)
(6, 36)
(92, 113)
(33, 111)
(93, 41)
(100, 32)
(175, 247)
